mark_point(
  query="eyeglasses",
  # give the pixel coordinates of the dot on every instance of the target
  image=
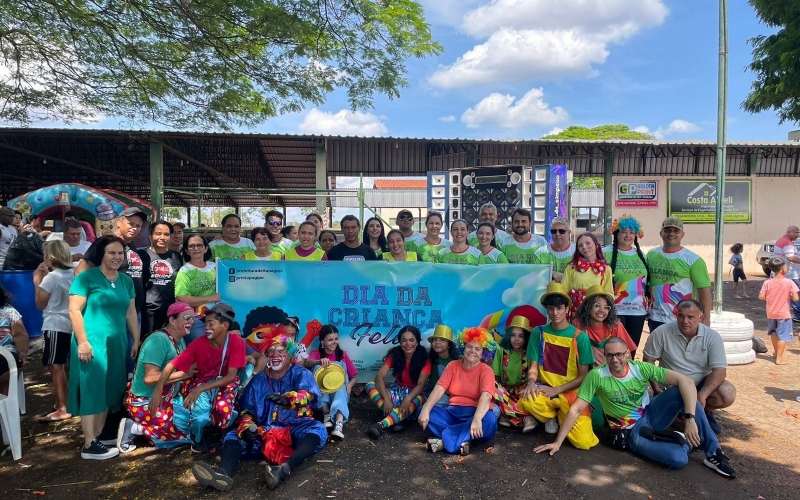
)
(601, 307)
(275, 223)
(195, 246)
(405, 217)
(558, 231)
(618, 355)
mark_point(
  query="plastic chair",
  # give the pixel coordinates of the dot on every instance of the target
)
(10, 407)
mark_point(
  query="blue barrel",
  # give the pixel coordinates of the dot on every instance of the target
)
(23, 295)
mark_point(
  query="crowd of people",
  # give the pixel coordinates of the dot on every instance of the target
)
(149, 341)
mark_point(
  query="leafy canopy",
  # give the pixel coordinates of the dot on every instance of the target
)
(599, 133)
(201, 64)
(776, 61)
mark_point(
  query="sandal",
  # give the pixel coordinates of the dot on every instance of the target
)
(464, 451)
(434, 445)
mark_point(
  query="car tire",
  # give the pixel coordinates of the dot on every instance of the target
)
(732, 327)
(741, 358)
(738, 346)
(767, 271)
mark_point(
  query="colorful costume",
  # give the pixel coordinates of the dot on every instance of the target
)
(398, 390)
(512, 369)
(578, 278)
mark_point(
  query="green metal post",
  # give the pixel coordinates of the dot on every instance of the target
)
(321, 176)
(722, 106)
(608, 197)
(199, 204)
(360, 201)
(157, 177)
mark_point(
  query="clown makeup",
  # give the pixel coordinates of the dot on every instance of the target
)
(408, 342)
(625, 239)
(517, 339)
(600, 310)
(214, 328)
(587, 248)
(330, 342)
(277, 358)
(441, 347)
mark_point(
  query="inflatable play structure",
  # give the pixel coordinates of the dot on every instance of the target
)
(100, 208)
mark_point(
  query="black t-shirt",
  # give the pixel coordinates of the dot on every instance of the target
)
(344, 252)
(132, 266)
(158, 276)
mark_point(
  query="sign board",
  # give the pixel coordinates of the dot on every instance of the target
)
(63, 197)
(695, 201)
(636, 194)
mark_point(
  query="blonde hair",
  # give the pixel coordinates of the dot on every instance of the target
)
(57, 251)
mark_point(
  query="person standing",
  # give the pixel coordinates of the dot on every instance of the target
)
(522, 245)
(196, 282)
(72, 235)
(587, 268)
(778, 292)
(273, 221)
(785, 249)
(397, 249)
(306, 250)
(161, 266)
(489, 254)
(558, 253)
(350, 248)
(232, 246)
(675, 273)
(459, 252)
(260, 238)
(7, 232)
(405, 222)
(176, 240)
(429, 247)
(375, 236)
(488, 213)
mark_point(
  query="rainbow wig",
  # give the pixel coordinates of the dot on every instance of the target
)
(287, 343)
(480, 335)
(627, 222)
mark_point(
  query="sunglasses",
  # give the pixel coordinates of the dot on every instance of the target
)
(274, 223)
(405, 217)
(558, 231)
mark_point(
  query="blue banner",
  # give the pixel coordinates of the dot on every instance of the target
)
(369, 302)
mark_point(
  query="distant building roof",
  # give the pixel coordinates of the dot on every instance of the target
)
(404, 184)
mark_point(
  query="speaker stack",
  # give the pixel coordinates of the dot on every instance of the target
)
(502, 186)
(547, 196)
(444, 196)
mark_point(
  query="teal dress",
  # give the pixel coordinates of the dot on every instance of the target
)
(100, 384)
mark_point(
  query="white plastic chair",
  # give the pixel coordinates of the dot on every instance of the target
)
(10, 407)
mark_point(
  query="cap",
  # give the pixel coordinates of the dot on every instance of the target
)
(179, 224)
(519, 322)
(179, 307)
(405, 212)
(223, 311)
(330, 379)
(597, 290)
(672, 222)
(442, 332)
(554, 288)
(133, 211)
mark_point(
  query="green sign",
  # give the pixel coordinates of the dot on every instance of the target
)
(695, 201)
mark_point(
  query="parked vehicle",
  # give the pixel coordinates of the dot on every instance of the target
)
(766, 252)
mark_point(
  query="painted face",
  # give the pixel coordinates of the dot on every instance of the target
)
(114, 255)
(557, 314)
(195, 248)
(215, 328)
(434, 225)
(408, 342)
(488, 214)
(374, 228)
(274, 225)
(262, 242)
(330, 342)
(521, 225)
(473, 352)
(277, 358)
(307, 235)
(560, 240)
(326, 241)
(396, 244)
(625, 239)
(161, 236)
(350, 231)
(600, 310)
(517, 339)
(183, 322)
(458, 232)
(440, 346)
(485, 235)
(587, 248)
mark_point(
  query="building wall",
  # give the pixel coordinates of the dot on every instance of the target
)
(773, 200)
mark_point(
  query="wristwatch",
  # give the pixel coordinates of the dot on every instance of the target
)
(688, 415)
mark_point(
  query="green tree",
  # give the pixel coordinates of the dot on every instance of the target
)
(775, 61)
(599, 133)
(215, 64)
(173, 214)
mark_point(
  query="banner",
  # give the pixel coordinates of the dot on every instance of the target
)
(695, 201)
(636, 194)
(369, 302)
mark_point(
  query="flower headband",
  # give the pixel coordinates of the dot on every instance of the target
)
(627, 222)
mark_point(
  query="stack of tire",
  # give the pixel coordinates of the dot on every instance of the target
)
(737, 334)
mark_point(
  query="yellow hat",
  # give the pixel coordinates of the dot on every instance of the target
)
(519, 322)
(597, 290)
(554, 288)
(442, 332)
(330, 379)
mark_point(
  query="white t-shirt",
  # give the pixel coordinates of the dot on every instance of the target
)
(56, 314)
(80, 248)
(7, 236)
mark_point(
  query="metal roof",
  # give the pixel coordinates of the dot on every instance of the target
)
(268, 169)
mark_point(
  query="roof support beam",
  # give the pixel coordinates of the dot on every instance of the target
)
(321, 175)
(157, 177)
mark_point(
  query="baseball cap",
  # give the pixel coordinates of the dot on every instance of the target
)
(672, 222)
(179, 307)
(179, 224)
(405, 212)
(130, 211)
(222, 310)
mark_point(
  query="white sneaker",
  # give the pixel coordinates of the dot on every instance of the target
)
(528, 424)
(337, 430)
(551, 426)
(326, 419)
(503, 422)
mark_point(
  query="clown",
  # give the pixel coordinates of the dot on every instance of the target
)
(275, 408)
(469, 382)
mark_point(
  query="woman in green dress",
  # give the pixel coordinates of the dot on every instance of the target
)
(102, 309)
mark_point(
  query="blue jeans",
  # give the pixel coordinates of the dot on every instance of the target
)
(796, 304)
(658, 415)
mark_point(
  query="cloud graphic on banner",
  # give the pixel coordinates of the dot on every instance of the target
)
(262, 291)
(523, 292)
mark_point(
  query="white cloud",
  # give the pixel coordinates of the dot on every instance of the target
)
(642, 129)
(676, 127)
(447, 12)
(448, 118)
(500, 109)
(555, 130)
(544, 39)
(344, 122)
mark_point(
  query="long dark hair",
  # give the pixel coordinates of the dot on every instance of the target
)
(324, 332)
(615, 251)
(382, 243)
(434, 356)
(185, 249)
(398, 357)
(494, 232)
(584, 314)
(598, 251)
(5, 297)
(102, 243)
(505, 342)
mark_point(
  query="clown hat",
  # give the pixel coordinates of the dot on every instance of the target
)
(597, 290)
(554, 288)
(519, 322)
(330, 379)
(442, 332)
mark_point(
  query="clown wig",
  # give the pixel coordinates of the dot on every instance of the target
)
(481, 336)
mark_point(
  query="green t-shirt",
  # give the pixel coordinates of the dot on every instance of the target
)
(514, 373)
(494, 256)
(471, 256)
(294, 244)
(674, 277)
(559, 260)
(223, 250)
(522, 252)
(414, 241)
(196, 281)
(623, 399)
(500, 238)
(157, 350)
(428, 252)
(585, 354)
(630, 278)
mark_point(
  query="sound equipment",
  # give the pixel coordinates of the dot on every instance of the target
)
(444, 196)
(499, 185)
(548, 196)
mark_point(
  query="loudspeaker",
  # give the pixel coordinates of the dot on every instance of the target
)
(502, 186)
(548, 197)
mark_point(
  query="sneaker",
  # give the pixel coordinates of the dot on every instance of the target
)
(337, 430)
(718, 462)
(108, 437)
(712, 422)
(125, 437)
(551, 426)
(273, 475)
(326, 419)
(214, 477)
(375, 431)
(200, 447)
(503, 422)
(98, 451)
(529, 424)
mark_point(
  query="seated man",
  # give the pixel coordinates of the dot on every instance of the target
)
(621, 387)
(209, 394)
(560, 357)
(273, 400)
(690, 348)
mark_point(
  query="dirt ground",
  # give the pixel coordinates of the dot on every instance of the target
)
(760, 437)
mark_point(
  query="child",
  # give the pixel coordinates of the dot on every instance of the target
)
(335, 403)
(777, 291)
(738, 270)
(443, 350)
(510, 368)
(292, 327)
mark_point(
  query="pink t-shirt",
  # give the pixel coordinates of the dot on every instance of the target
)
(778, 292)
(351, 368)
(209, 359)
